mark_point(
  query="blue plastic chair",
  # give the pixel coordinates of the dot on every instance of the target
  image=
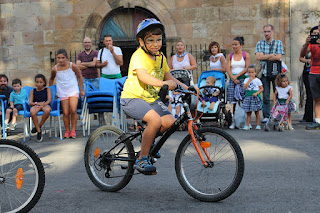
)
(106, 99)
(55, 112)
(4, 135)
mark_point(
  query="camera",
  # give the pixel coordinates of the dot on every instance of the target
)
(314, 39)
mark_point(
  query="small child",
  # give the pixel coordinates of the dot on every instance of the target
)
(39, 100)
(252, 100)
(68, 75)
(210, 93)
(284, 95)
(174, 102)
(17, 99)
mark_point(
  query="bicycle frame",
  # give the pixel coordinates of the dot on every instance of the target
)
(191, 129)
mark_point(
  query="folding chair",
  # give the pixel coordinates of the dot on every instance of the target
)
(55, 112)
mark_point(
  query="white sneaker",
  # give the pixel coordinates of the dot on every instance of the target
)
(246, 128)
(265, 120)
(232, 126)
(250, 126)
(258, 127)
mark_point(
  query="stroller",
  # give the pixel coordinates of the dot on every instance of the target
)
(278, 117)
(218, 113)
(185, 77)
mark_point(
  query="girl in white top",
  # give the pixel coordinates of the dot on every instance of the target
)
(283, 95)
(252, 101)
(237, 66)
(217, 59)
(67, 90)
(183, 60)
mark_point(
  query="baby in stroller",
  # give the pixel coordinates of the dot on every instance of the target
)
(174, 102)
(215, 109)
(210, 93)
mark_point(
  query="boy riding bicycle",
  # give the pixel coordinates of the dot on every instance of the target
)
(148, 72)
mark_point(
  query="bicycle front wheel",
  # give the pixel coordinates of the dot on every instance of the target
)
(109, 163)
(224, 172)
(22, 177)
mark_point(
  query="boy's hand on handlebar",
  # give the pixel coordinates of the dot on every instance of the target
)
(171, 84)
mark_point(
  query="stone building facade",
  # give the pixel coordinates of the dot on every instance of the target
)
(31, 30)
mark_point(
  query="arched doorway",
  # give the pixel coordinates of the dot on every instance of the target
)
(121, 24)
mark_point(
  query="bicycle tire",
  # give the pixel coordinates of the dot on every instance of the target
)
(22, 177)
(215, 183)
(120, 172)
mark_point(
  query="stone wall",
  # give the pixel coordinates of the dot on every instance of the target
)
(30, 29)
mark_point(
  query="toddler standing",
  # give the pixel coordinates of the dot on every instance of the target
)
(283, 95)
(252, 100)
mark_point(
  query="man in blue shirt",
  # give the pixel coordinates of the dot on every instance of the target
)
(268, 50)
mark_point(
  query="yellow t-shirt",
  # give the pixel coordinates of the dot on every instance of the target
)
(133, 88)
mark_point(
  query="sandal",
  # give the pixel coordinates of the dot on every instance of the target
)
(144, 166)
(66, 134)
(72, 134)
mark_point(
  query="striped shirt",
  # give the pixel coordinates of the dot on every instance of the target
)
(264, 47)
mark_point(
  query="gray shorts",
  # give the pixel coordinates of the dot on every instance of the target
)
(314, 80)
(137, 108)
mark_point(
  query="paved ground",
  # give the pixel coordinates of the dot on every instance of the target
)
(281, 175)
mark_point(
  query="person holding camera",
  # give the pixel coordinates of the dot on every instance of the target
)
(268, 51)
(110, 59)
(312, 45)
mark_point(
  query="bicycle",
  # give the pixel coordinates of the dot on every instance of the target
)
(22, 177)
(209, 162)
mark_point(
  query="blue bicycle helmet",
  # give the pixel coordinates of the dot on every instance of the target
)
(146, 24)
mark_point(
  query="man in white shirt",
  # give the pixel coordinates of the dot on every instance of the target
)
(110, 59)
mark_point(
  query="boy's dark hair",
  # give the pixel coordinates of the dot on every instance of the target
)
(3, 76)
(16, 81)
(279, 78)
(240, 39)
(62, 51)
(42, 77)
(154, 30)
(252, 66)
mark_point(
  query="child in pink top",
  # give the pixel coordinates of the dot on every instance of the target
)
(68, 75)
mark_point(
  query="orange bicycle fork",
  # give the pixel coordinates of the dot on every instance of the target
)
(204, 144)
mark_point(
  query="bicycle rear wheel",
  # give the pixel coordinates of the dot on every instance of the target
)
(109, 164)
(225, 171)
(22, 177)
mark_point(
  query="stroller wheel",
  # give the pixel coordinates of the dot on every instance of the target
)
(274, 127)
(229, 118)
(266, 128)
(280, 128)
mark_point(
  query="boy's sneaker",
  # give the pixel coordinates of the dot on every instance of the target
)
(246, 128)
(265, 120)
(33, 130)
(312, 126)
(7, 126)
(39, 136)
(258, 127)
(144, 166)
(232, 126)
(13, 127)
